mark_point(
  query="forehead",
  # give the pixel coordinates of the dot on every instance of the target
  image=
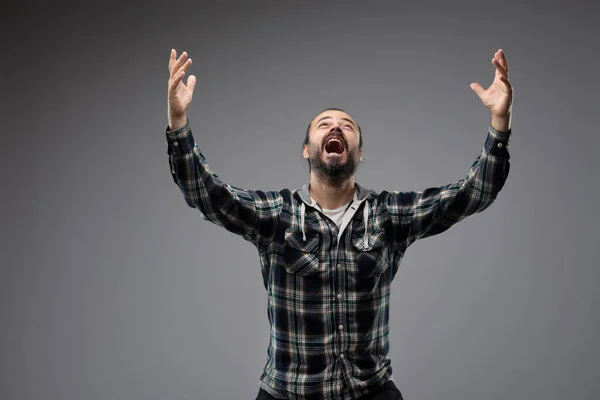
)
(333, 114)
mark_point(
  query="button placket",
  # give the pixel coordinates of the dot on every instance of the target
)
(341, 309)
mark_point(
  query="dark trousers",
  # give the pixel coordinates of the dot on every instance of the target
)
(388, 391)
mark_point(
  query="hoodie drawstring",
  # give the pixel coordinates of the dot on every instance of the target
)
(366, 216)
(302, 211)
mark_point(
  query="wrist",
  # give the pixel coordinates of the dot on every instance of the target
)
(501, 123)
(177, 122)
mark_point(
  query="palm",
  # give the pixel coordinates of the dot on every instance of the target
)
(498, 96)
(180, 98)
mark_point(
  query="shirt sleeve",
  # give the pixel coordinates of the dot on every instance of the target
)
(418, 215)
(248, 213)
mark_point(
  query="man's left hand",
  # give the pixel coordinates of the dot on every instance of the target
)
(498, 97)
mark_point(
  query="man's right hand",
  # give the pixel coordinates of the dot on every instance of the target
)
(180, 95)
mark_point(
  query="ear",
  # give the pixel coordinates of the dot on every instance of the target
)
(305, 152)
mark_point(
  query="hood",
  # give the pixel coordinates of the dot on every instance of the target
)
(361, 194)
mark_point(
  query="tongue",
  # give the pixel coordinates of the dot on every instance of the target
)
(334, 147)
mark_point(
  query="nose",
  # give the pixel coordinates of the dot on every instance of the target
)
(335, 127)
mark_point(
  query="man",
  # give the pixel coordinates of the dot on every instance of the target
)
(330, 251)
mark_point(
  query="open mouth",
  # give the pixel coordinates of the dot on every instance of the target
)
(334, 146)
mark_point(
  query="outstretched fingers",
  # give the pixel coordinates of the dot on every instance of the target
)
(500, 60)
(503, 61)
(500, 70)
(185, 66)
(172, 61)
(178, 68)
(501, 65)
(175, 80)
(175, 64)
(477, 88)
(191, 83)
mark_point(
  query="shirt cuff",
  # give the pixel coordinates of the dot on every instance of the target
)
(498, 142)
(180, 141)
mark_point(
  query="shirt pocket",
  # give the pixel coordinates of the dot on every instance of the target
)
(301, 257)
(372, 256)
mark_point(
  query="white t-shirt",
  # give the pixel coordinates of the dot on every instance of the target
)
(338, 214)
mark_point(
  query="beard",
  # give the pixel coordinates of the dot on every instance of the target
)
(335, 170)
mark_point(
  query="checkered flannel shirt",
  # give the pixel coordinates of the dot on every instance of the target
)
(328, 288)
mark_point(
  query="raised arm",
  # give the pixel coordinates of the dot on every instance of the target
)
(250, 214)
(417, 215)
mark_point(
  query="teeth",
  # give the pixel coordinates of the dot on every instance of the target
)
(334, 145)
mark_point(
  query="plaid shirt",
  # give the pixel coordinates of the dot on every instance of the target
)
(328, 288)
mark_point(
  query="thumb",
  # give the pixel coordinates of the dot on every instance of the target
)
(476, 87)
(191, 83)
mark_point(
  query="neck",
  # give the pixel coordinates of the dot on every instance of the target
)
(331, 194)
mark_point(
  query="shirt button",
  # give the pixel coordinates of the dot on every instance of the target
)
(500, 145)
(339, 266)
(339, 296)
(175, 143)
(341, 327)
(342, 355)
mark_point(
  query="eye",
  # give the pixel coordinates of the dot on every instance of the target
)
(349, 127)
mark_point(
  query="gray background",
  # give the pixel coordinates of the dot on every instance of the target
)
(112, 288)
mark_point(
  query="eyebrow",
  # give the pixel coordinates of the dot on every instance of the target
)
(345, 119)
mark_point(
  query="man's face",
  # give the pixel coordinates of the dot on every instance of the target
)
(333, 147)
